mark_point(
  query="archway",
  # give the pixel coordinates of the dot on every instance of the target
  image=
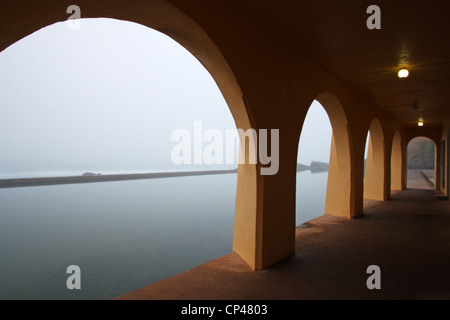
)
(91, 124)
(338, 199)
(312, 164)
(422, 163)
(374, 183)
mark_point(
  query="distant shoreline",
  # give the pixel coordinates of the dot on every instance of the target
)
(51, 181)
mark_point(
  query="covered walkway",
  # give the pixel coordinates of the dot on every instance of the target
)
(406, 237)
(271, 60)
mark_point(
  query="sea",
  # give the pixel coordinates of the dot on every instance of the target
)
(122, 235)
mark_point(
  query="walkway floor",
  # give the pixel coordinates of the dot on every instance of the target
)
(416, 180)
(407, 237)
(430, 175)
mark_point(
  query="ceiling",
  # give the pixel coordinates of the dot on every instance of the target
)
(413, 34)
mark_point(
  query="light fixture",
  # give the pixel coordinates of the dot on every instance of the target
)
(403, 73)
(420, 123)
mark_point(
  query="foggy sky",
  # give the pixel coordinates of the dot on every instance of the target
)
(108, 97)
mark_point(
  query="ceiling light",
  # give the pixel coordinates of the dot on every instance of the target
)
(420, 124)
(403, 73)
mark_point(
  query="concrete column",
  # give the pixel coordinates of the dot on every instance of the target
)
(338, 200)
(375, 175)
(247, 223)
(404, 164)
(397, 163)
(445, 139)
(341, 188)
(264, 231)
(438, 165)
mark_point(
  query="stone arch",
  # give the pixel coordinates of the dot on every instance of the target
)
(434, 134)
(339, 187)
(397, 163)
(429, 139)
(435, 167)
(374, 181)
(162, 16)
(310, 198)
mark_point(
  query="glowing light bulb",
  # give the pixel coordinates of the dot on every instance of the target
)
(404, 73)
(420, 124)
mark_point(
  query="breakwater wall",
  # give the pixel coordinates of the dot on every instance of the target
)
(34, 182)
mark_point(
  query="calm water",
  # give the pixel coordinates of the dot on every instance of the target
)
(311, 195)
(123, 235)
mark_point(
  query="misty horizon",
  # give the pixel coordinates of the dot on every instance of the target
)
(108, 97)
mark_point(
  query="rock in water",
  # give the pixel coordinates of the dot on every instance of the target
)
(89, 174)
(302, 167)
(317, 166)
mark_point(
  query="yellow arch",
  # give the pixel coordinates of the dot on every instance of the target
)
(437, 157)
(374, 182)
(167, 19)
(339, 189)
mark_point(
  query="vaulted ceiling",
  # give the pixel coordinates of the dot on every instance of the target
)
(333, 33)
(414, 34)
